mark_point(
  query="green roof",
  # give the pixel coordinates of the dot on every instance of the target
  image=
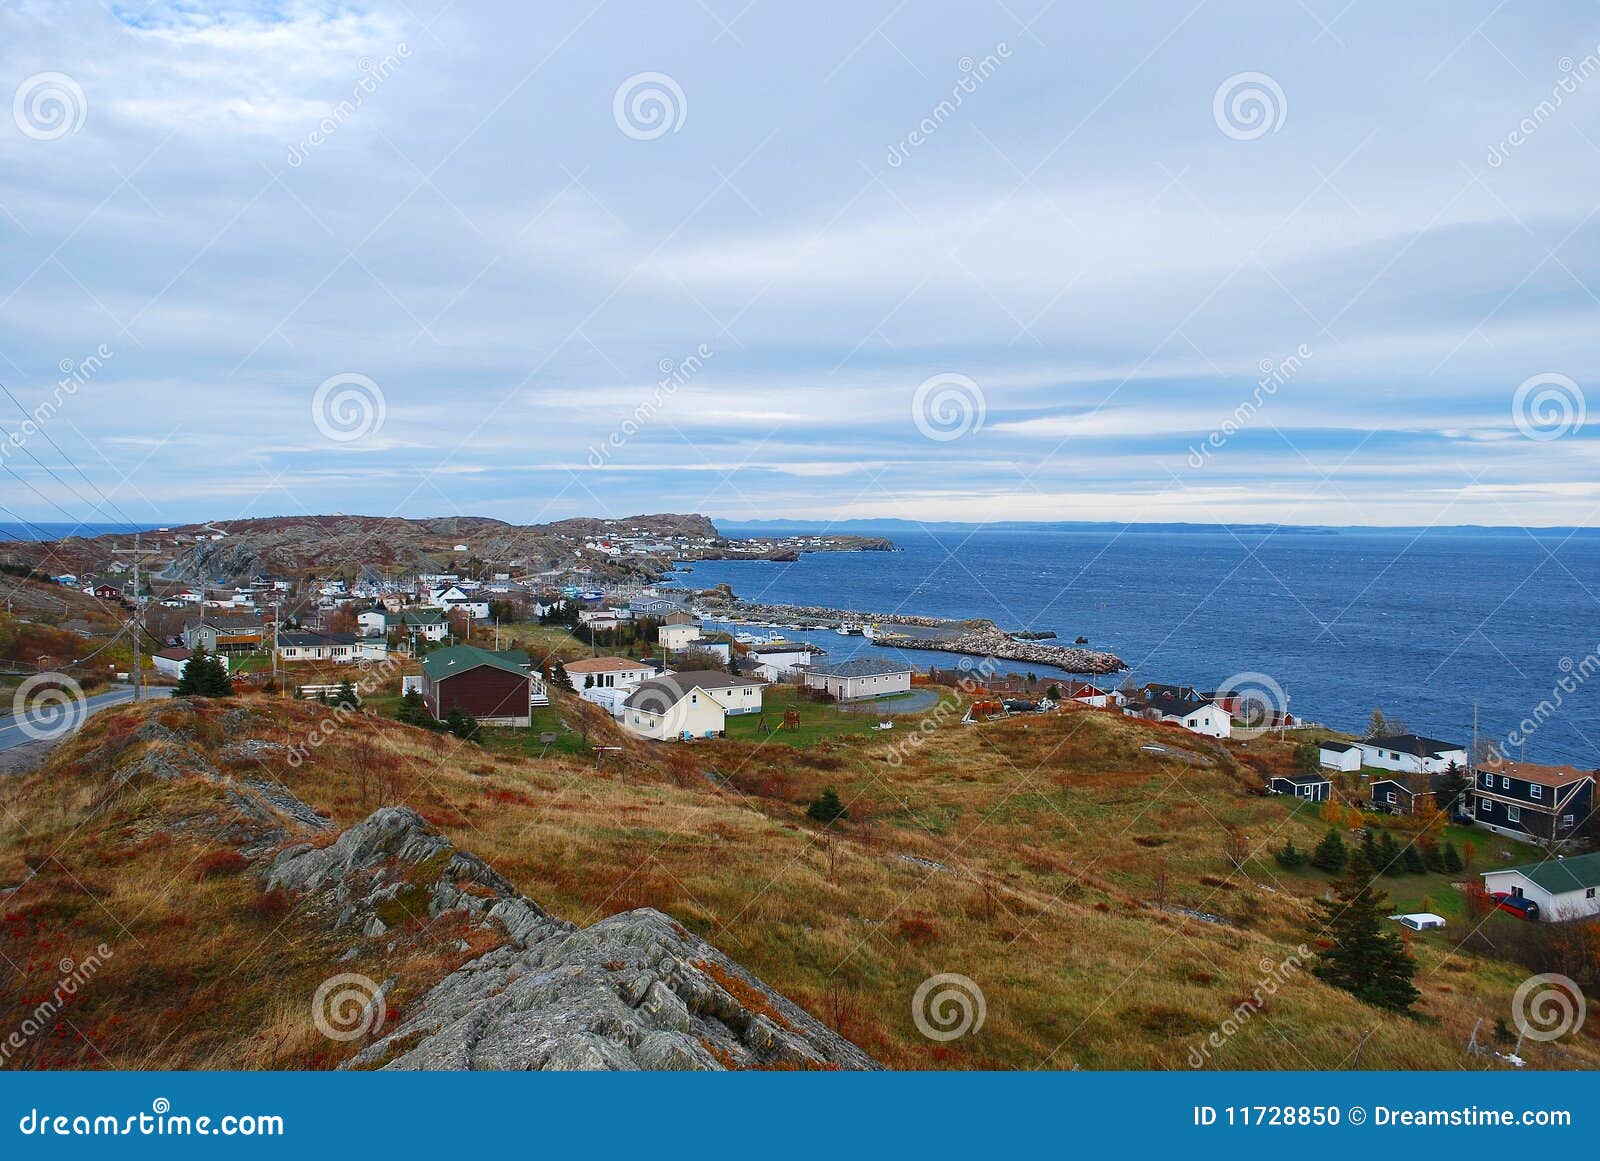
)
(1559, 876)
(422, 617)
(442, 663)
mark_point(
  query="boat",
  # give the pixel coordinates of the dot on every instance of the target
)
(849, 629)
(591, 595)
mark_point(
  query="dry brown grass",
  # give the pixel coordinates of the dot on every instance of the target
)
(1024, 855)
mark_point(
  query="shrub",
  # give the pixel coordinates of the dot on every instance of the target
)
(1330, 855)
(827, 807)
(219, 863)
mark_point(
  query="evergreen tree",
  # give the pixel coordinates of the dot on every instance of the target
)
(1411, 860)
(1364, 957)
(1331, 854)
(1369, 846)
(827, 808)
(1452, 786)
(1290, 856)
(204, 676)
(1451, 859)
(413, 711)
(462, 724)
(1308, 758)
(347, 695)
(1389, 855)
(559, 678)
(1377, 725)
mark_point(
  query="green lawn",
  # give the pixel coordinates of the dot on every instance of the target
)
(526, 743)
(1433, 891)
(817, 720)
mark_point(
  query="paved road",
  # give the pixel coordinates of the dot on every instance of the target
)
(14, 730)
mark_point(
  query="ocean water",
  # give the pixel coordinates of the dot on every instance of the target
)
(45, 530)
(1425, 626)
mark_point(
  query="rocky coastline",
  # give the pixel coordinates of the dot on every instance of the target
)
(976, 638)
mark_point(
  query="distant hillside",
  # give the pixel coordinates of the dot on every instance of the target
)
(292, 546)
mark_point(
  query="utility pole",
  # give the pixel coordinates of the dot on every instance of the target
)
(137, 552)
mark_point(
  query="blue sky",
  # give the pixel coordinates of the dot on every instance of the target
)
(457, 218)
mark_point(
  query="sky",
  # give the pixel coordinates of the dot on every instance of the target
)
(1313, 263)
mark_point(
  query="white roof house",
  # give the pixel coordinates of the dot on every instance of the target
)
(1412, 754)
(1339, 755)
(858, 679)
(1563, 888)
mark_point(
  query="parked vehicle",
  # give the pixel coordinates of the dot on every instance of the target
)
(1519, 905)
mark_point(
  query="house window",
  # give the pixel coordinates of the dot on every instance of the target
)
(1485, 806)
(1513, 814)
(1488, 780)
(1566, 821)
(1536, 790)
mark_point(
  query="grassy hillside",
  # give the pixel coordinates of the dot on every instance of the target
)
(1073, 874)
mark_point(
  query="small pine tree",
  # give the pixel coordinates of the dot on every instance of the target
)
(1451, 859)
(1411, 860)
(1377, 725)
(1364, 957)
(1290, 856)
(559, 677)
(1308, 758)
(1331, 854)
(204, 676)
(1369, 846)
(347, 695)
(827, 808)
(462, 724)
(1389, 855)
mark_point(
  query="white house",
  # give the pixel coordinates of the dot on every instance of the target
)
(1198, 717)
(1339, 755)
(1563, 888)
(607, 673)
(372, 622)
(673, 707)
(170, 662)
(1093, 695)
(778, 664)
(861, 678)
(678, 631)
(429, 624)
(1412, 754)
(308, 645)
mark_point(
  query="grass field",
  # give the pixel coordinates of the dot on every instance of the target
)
(1053, 861)
(818, 721)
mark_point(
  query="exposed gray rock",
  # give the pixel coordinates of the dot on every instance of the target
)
(633, 991)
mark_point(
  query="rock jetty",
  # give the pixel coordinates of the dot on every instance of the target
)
(977, 638)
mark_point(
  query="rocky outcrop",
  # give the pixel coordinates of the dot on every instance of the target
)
(633, 991)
